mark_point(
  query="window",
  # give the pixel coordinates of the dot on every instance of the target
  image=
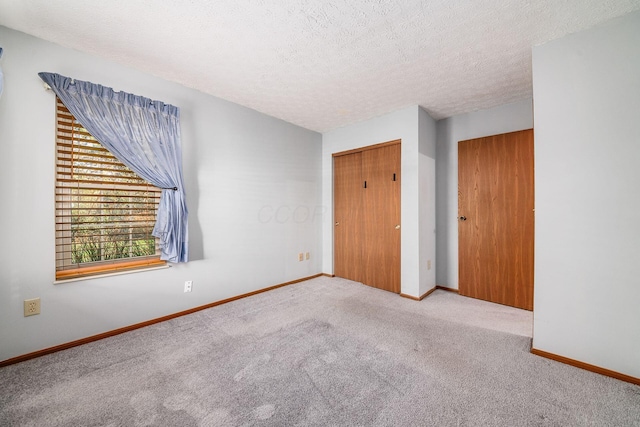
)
(105, 213)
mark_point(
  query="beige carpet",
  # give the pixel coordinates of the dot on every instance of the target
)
(326, 352)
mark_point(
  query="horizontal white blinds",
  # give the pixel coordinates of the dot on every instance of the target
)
(104, 212)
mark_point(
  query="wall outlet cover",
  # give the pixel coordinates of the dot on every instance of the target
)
(31, 307)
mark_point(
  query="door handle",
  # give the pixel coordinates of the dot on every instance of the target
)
(397, 226)
(337, 224)
(463, 218)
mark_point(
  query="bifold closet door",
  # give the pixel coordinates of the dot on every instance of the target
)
(367, 216)
(347, 194)
(381, 208)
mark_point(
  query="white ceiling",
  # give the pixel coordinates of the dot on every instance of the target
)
(322, 64)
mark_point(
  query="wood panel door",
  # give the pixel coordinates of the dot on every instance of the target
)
(367, 216)
(381, 172)
(496, 218)
(348, 212)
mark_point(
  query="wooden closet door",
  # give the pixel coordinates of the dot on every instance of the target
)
(496, 219)
(381, 207)
(347, 202)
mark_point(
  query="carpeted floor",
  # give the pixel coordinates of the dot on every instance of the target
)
(326, 352)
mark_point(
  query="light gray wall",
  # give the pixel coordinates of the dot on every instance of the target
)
(253, 190)
(404, 125)
(427, 201)
(587, 154)
(502, 119)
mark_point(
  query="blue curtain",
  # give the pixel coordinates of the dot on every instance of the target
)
(144, 135)
(1, 76)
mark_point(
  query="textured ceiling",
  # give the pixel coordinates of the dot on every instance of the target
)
(322, 64)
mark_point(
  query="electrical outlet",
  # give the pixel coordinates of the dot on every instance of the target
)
(300, 256)
(187, 285)
(31, 307)
(307, 255)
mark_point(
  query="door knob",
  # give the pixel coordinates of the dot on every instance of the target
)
(397, 226)
(463, 218)
(337, 224)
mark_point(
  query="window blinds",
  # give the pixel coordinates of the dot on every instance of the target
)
(105, 213)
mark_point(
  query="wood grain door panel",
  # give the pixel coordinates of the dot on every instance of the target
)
(347, 193)
(496, 232)
(381, 171)
(367, 219)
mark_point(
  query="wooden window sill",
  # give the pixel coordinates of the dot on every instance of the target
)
(116, 269)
